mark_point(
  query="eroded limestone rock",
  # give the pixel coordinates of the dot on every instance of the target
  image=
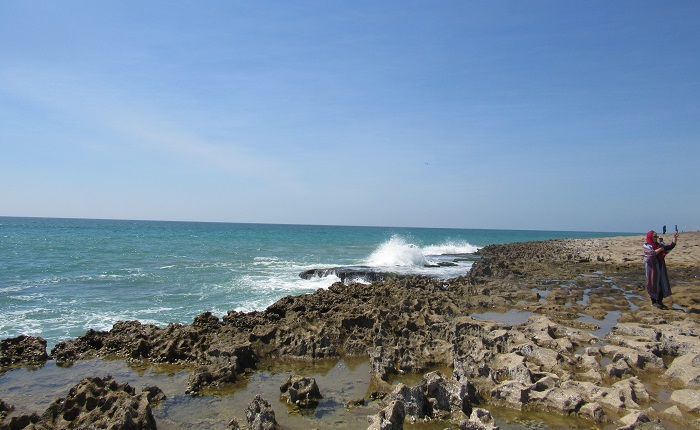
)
(22, 351)
(260, 415)
(301, 391)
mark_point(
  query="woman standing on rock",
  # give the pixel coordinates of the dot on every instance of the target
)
(658, 286)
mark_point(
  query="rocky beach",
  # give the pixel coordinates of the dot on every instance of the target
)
(559, 328)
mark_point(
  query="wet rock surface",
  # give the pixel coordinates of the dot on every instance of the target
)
(561, 360)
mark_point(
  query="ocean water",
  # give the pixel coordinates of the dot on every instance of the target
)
(62, 277)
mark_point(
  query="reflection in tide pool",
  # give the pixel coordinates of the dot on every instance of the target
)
(341, 382)
(34, 390)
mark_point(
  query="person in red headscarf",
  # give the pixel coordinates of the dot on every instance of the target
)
(658, 286)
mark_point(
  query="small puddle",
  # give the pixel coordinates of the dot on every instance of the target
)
(629, 295)
(678, 307)
(512, 317)
(584, 300)
(593, 275)
(605, 325)
(542, 294)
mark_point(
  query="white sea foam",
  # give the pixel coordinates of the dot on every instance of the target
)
(265, 261)
(20, 321)
(286, 283)
(13, 289)
(29, 297)
(318, 282)
(157, 311)
(106, 320)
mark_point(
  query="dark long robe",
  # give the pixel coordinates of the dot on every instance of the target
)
(658, 285)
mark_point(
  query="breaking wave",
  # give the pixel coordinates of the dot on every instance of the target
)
(397, 252)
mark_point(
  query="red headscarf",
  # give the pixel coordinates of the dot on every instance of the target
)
(650, 239)
(654, 244)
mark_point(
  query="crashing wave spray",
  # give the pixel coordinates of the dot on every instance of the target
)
(450, 248)
(397, 252)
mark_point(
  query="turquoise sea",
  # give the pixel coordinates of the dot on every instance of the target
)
(61, 277)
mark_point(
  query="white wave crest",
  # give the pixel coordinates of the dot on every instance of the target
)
(450, 248)
(397, 252)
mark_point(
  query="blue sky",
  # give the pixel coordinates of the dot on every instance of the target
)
(550, 115)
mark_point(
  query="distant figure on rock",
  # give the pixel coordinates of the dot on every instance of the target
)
(655, 252)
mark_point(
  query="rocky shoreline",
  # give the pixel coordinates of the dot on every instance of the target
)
(643, 373)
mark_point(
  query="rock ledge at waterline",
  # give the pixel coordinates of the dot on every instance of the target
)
(557, 361)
